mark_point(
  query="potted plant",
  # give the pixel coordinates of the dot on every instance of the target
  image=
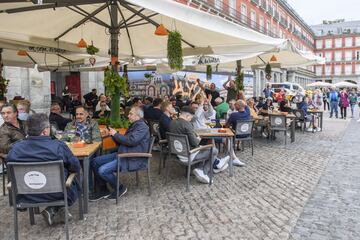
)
(268, 71)
(208, 72)
(115, 86)
(174, 50)
(92, 50)
(239, 82)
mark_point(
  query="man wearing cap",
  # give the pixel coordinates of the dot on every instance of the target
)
(182, 125)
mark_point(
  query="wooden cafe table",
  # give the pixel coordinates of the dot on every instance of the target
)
(84, 154)
(320, 114)
(211, 133)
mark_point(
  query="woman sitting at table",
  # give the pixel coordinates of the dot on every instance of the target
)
(103, 112)
(304, 105)
(266, 107)
(253, 110)
(284, 106)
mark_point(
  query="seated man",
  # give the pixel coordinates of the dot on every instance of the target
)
(165, 119)
(182, 125)
(136, 139)
(55, 116)
(86, 128)
(39, 146)
(103, 112)
(221, 108)
(231, 108)
(153, 113)
(12, 129)
(243, 113)
(203, 111)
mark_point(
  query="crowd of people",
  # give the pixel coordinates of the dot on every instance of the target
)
(28, 136)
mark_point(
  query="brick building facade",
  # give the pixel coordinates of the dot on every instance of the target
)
(277, 18)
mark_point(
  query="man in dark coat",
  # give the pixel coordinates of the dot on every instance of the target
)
(136, 139)
(55, 116)
(39, 146)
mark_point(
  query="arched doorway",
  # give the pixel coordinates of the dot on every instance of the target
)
(275, 77)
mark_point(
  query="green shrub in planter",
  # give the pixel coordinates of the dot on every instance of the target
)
(174, 50)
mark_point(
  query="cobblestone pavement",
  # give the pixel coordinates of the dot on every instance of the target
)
(261, 201)
(333, 210)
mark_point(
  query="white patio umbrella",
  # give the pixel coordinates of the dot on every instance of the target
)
(133, 22)
(319, 84)
(345, 84)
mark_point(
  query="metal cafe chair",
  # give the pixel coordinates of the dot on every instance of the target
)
(278, 123)
(155, 132)
(147, 155)
(244, 133)
(179, 145)
(3, 167)
(39, 178)
(300, 118)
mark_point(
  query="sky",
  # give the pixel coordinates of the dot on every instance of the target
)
(315, 11)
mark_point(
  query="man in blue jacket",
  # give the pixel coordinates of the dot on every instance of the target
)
(334, 102)
(136, 139)
(39, 146)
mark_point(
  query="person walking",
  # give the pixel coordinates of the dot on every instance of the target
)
(334, 102)
(344, 103)
(325, 94)
(353, 101)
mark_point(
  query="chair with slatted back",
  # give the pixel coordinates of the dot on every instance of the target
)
(244, 133)
(154, 131)
(278, 124)
(147, 155)
(179, 145)
(39, 178)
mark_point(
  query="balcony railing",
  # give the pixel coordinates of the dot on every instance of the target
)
(283, 22)
(270, 11)
(231, 14)
(255, 1)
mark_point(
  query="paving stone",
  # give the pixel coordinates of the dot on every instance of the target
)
(263, 200)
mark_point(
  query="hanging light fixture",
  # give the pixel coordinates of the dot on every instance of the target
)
(161, 30)
(22, 53)
(273, 58)
(82, 43)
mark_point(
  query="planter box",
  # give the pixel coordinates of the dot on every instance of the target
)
(108, 142)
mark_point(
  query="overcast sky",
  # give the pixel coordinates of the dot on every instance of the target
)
(314, 11)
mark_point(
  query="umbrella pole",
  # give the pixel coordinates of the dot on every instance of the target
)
(114, 31)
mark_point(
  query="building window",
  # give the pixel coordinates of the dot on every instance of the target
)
(253, 19)
(338, 56)
(348, 69)
(348, 42)
(319, 70)
(338, 42)
(328, 70)
(232, 7)
(348, 55)
(357, 68)
(357, 41)
(219, 4)
(261, 23)
(328, 56)
(357, 55)
(338, 70)
(268, 27)
(243, 13)
(328, 43)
